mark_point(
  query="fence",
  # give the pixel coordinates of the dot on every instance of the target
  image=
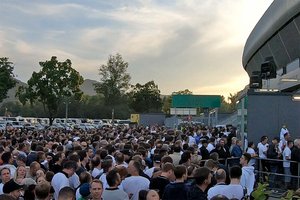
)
(273, 176)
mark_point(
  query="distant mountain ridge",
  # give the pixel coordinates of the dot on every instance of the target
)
(87, 88)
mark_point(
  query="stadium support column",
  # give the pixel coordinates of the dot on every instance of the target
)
(242, 131)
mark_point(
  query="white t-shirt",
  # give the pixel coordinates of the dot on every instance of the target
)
(150, 171)
(282, 132)
(192, 140)
(215, 190)
(96, 172)
(282, 144)
(251, 152)
(74, 181)
(261, 149)
(286, 154)
(59, 181)
(104, 181)
(210, 147)
(230, 191)
(133, 184)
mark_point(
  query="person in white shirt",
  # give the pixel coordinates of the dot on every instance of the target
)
(107, 165)
(263, 147)
(286, 164)
(283, 142)
(248, 177)
(156, 166)
(262, 152)
(7, 159)
(211, 144)
(176, 155)
(234, 190)
(113, 192)
(61, 179)
(283, 131)
(96, 166)
(220, 176)
(133, 184)
(252, 152)
(192, 140)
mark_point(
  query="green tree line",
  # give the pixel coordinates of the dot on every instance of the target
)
(56, 86)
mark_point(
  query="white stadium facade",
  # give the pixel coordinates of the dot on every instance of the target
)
(271, 59)
(276, 36)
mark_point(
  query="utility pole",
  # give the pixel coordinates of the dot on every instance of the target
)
(113, 116)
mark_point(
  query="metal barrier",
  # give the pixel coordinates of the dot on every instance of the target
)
(260, 172)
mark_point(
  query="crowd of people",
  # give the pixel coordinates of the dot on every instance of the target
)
(138, 163)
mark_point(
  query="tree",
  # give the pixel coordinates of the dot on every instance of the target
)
(167, 102)
(225, 106)
(53, 84)
(228, 106)
(7, 80)
(233, 98)
(146, 98)
(182, 92)
(114, 80)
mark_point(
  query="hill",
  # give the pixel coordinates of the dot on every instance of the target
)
(87, 87)
(12, 92)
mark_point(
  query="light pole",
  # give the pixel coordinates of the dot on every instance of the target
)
(67, 109)
(113, 117)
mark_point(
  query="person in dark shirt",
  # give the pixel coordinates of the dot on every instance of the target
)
(295, 156)
(32, 156)
(236, 153)
(57, 159)
(159, 183)
(273, 153)
(177, 190)
(203, 150)
(202, 178)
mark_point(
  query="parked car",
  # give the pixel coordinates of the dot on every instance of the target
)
(2, 127)
(28, 126)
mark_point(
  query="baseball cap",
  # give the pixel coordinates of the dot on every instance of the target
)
(84, 190)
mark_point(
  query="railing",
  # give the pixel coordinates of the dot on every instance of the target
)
(259, 170)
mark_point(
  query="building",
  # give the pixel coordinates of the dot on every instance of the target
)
(271, 59)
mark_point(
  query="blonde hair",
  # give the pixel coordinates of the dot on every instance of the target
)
(16, 173)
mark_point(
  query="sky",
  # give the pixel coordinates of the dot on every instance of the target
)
(179, 44)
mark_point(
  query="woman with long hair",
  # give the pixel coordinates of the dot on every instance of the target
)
(20, 174)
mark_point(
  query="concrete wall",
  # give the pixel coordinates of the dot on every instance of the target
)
(152, 119)
(268, 112)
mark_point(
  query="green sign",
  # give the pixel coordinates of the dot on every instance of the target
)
(196, 101)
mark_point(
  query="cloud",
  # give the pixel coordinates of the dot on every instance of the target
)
(23, 47)
(30, 8)
(178, 44)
